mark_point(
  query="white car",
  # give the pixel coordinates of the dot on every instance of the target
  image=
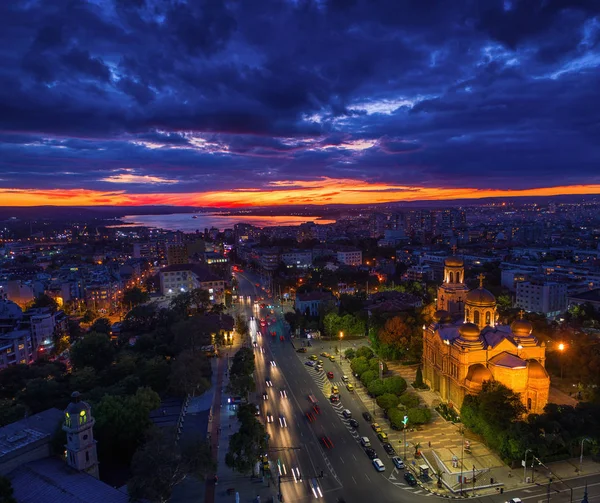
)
(378, 464)
(268, 382)
(515, 500)
(273, 364)
(269, 418)
(283, 393)
(345, 378)
(347, 414)
(282, 422)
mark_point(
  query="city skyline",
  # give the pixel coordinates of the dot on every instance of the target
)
(232, 105)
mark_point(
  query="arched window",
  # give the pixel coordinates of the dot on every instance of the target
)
(82, 417)
(468, 315)
(487, 318)
(476, 317)
(451, 277)
(529, 404)
(67, 420)
(458, 277)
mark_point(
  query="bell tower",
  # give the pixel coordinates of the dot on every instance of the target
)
(453, 291)
(81, 446)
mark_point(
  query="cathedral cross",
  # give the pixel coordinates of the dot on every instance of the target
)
(481, 278)
(521, 313)
(453, 249)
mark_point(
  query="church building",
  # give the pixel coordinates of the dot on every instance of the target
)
(465, 346)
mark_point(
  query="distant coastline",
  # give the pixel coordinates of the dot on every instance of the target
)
(191, 222)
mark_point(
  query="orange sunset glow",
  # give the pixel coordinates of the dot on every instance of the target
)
(319, 192)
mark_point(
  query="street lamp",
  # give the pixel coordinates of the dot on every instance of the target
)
(341, 337)
(525, 465)
(581, 455)
(561, 348)
(405, 423)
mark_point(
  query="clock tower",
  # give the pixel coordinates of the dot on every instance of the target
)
(81, 446)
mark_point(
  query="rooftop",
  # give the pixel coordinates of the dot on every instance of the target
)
(52, 481)
(20, 434)
(590, 296)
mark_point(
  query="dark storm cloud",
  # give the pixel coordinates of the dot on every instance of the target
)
(234, 94)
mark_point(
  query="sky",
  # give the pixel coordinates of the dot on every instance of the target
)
(270, 102)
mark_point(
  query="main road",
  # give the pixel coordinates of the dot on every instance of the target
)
(341, 470)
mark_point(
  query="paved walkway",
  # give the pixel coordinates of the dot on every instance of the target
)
(441, 445)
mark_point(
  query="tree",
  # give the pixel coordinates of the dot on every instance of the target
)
(83, 379)
(419, 378)
(376, 387)
(395, 385)
(359, 365)
(350, 354)
(241, 326)
(218, 309)
(419, 415)
(141, 319)
(41, 394)
(94, 350)
(121, 422)
(193, 332)
(190, 374)
(200, 298)
(396, 417)
(246, 446)
(101, 326)
(367, 377)
(11, 411)
(45, 301)
(409, 400)
(6, 491)
(161, 463)
(387, 401)
(135, 296)
(181, 304)
(374, 365)
(365, 352)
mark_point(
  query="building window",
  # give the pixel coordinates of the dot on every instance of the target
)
(487, 318)
(529, 404)
(476, 317)
(451, 277)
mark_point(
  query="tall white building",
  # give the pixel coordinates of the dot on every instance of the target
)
(537, 296)
(350, 257)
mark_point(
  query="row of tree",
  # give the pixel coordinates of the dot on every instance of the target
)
(389, 392)
(498, 414)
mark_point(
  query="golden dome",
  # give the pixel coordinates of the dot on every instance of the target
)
(479, 373)
(481, 297)
(521, 328)
(440, 314)
(536, 370)
(454, 262)
(469, 331)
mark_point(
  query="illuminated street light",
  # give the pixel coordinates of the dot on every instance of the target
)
(561, 348)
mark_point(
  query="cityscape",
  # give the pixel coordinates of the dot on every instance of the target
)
(299, 251)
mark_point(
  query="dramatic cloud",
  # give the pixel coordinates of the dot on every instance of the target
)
(279, 101)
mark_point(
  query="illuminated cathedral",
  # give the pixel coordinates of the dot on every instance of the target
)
(465, 346)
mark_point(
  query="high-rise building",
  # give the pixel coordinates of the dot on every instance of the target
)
(539, 296)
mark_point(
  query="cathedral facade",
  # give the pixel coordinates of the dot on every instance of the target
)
(465, 346)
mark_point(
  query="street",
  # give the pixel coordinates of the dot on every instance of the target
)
(296, 449)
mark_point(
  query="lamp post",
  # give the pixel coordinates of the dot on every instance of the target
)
(581, 455)
(405, 423)
(462, 457)
(525, 465)
(561, 348)
(341, 337)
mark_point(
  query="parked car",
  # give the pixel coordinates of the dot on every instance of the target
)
(378, 464)
(387, 447)
(398, 463)
(367, 416)
(353, 423)
(371, 453)
(410, 479)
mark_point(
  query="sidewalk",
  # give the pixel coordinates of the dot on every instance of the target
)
(231, 482)
(441, 443)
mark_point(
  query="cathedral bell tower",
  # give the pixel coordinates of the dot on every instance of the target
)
(81, 446)
(453, 291)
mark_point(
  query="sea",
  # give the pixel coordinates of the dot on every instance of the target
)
(186, 222)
